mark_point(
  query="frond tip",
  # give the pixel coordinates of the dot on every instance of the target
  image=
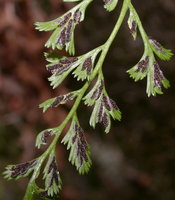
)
(63, 28)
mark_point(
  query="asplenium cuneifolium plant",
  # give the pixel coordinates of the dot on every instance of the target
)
(86, 68)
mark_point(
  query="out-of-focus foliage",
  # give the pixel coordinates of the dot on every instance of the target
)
(137, 160)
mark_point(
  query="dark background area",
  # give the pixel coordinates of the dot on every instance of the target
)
(136, 160)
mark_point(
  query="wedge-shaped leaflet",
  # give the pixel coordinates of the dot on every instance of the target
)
(159, 50)
(61, 68)
(44, 135)
(147, 66)
(104, 108)
(140, 70)
(55, 102)
(156, 80)
(100, 115)
(52, 177)
(83, 71)
(79, 148)
(112, 107)
(95, 93)
(110, 5)
(63, 27)
(19, 170)
(132, 24)
(58, 66)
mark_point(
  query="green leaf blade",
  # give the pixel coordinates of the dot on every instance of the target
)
(79, 149)
(160, 51)
(110, 5)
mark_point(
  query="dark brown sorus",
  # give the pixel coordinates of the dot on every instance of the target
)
(45, 135)
(100, 113)
(142, 66)
(133, 28)
(64, 20)
(62, 37)
(158, 75)
(87, 65)
(77, 16)
(22, 169)
(69, 30)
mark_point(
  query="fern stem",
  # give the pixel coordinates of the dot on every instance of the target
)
(111, 38)
(105, 49)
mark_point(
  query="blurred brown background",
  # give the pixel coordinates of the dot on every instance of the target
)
(136, 161)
